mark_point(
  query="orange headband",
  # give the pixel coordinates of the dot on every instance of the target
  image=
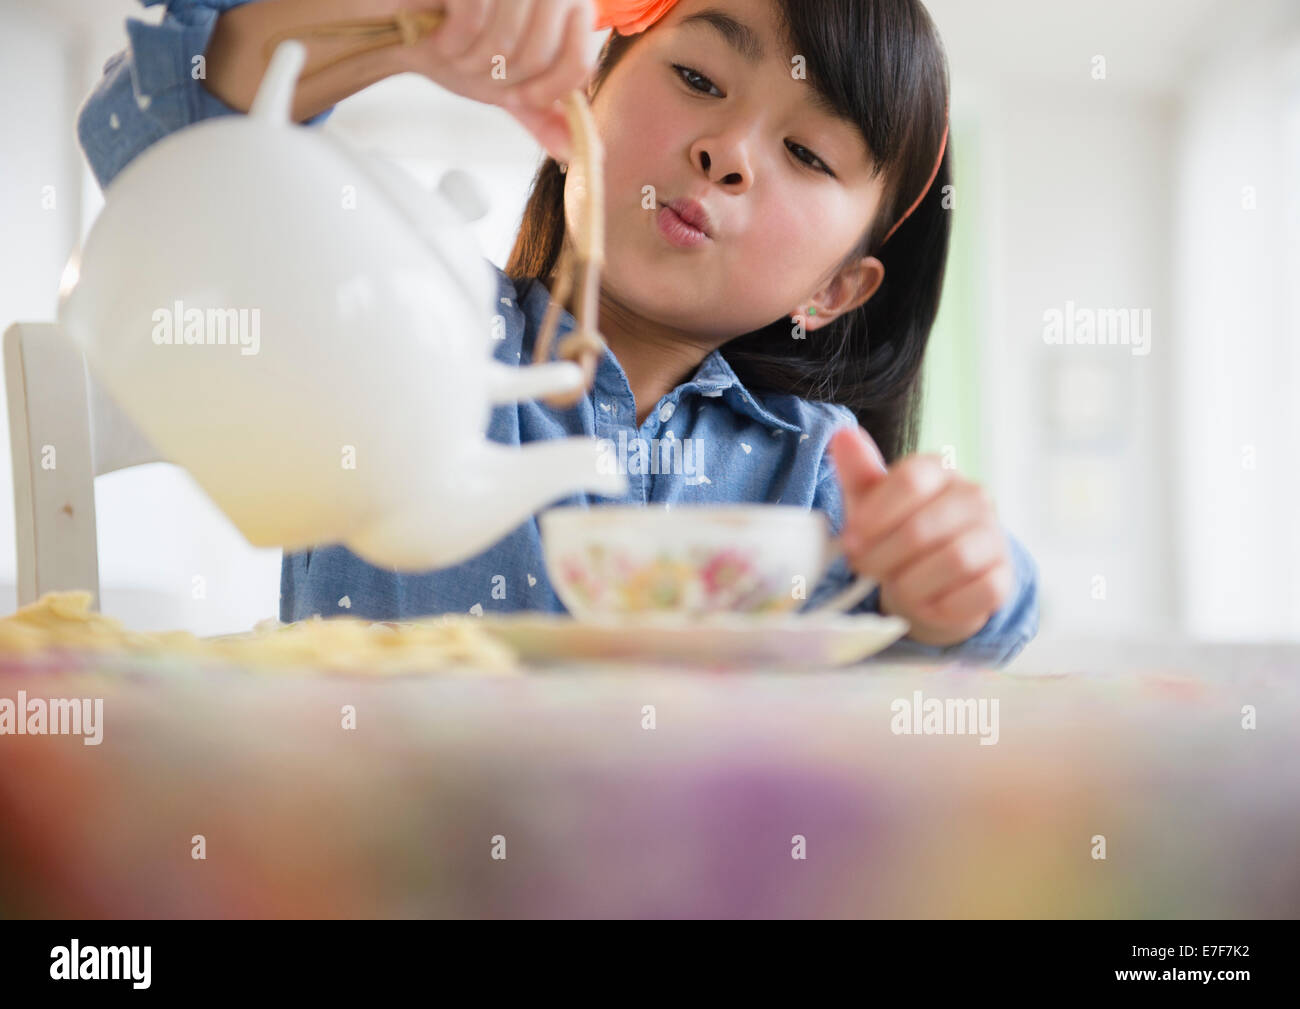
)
(943, 146)
(629, 17)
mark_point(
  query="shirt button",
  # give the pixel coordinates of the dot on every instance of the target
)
(666, 411)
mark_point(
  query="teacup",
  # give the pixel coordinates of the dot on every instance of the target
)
(691, 561)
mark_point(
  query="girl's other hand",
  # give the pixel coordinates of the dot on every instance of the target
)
(523, 55)
(930, 538)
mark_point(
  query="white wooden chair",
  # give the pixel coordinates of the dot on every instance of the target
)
(64, 430)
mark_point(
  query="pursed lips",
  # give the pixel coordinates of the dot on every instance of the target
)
(693, 213)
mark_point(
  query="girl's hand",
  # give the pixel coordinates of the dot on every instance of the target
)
(930, 538)
(524, 55)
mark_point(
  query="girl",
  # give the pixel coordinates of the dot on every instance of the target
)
(775, 253)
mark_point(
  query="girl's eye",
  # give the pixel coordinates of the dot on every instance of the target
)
(686, 74)
(814, 163)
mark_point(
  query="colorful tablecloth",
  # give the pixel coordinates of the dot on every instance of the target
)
(641, 791)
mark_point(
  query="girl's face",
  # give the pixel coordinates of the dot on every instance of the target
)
(720, 114)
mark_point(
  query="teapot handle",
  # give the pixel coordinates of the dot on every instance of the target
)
(273, 102)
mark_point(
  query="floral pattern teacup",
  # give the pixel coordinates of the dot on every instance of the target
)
(690, 561)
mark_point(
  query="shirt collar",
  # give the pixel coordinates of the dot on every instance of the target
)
(714, 378)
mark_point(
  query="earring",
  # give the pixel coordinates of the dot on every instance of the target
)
(564, 167)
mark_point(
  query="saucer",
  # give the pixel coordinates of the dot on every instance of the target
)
(817, 640)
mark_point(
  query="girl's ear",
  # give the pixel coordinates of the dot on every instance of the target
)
(852, 286)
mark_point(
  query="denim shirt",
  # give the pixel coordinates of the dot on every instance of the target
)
(736, 446)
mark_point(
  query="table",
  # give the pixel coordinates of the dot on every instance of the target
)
(599, 814)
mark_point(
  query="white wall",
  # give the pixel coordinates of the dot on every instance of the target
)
(1123, 473)
(1079, 213)
(1238, 266)
(37, 84)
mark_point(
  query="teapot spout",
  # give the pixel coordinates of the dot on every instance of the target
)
(502, 488)
(513, 483)
(540, 472)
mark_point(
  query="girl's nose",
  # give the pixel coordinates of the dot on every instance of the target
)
(730, 179)
(728, 169)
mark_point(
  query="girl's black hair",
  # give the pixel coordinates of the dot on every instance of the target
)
(880, 64)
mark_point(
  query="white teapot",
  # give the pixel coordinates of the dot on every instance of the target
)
(308, 332)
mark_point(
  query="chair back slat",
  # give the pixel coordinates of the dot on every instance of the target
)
(64, 430)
